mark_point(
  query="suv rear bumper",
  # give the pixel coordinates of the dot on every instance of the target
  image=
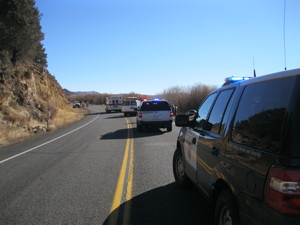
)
(260, 214)
(158, 124)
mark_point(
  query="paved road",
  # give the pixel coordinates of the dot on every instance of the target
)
(99, 170)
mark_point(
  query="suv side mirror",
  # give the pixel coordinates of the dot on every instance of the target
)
(182, 121)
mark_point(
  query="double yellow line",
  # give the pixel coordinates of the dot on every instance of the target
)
(121, 215)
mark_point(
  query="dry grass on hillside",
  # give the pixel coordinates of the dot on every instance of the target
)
(31, 102)
(67, 116)
(18, 126)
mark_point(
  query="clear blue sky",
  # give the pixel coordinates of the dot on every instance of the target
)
(147, 46)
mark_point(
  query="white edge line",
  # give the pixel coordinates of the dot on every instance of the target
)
(29, 150)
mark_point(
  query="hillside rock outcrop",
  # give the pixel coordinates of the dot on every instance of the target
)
(29, 100)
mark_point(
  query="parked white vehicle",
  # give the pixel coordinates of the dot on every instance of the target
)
(130, 105)
(113, 103)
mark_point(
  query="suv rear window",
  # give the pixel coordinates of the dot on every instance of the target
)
(155, 106)
(259, 119)
(130, 103)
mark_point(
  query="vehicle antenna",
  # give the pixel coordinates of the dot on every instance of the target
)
(284, 34)
(254, 73)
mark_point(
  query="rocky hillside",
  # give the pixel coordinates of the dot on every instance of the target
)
(31, 101)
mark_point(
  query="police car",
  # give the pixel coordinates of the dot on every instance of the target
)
(242, 150)
(155, 113)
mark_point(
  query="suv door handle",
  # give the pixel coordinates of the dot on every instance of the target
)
(215, 151)
(194, 141)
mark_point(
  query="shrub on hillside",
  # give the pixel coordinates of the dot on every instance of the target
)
(187, 98)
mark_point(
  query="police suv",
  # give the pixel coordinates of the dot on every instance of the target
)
(242, 150)
(154, 113)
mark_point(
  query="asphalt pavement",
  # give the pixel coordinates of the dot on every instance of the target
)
(99, 170)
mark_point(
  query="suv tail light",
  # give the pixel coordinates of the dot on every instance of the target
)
(282, 190)
(140, 115)
(171, 114)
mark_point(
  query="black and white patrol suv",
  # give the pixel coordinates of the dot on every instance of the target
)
(242, 150)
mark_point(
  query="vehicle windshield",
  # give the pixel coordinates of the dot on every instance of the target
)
(155, 106)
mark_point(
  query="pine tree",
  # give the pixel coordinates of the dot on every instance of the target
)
(20, 31)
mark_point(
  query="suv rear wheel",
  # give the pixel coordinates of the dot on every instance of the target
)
(178, 170)
(226, 212)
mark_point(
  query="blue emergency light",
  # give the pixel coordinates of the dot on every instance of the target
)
(233, 79)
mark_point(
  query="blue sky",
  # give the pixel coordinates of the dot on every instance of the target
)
(147, 46)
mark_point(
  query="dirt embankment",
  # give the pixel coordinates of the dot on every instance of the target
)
(31, 101)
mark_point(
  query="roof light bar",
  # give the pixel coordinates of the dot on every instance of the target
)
(233, 79)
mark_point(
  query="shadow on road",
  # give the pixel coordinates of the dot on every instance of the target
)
(123, 134)
(167, 205)
(118, 134)
(102, 113)
(93, 114)
(114, 117)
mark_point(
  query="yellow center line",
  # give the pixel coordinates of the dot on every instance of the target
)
(115, 208)
(130, 171)
(127, 209)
